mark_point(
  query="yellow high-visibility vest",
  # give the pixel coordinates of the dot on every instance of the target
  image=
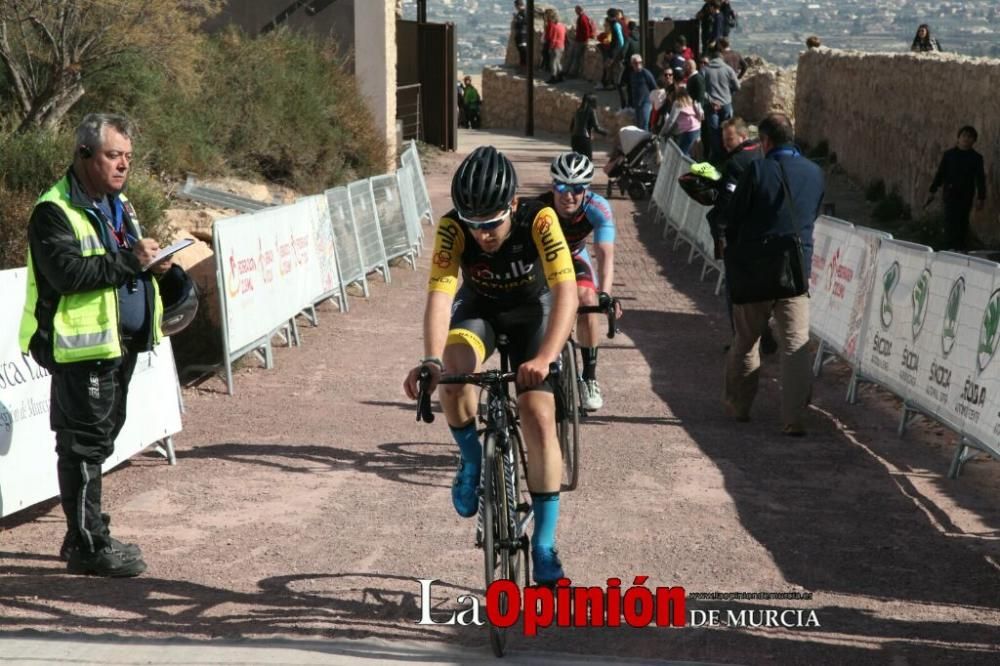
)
(86, 324)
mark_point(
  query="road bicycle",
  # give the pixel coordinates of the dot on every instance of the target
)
(569, 392)
(504, 502)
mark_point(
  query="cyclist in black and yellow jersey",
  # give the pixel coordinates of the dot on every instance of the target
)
(517, 280)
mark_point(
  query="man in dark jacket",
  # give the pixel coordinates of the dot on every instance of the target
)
(962, 175)
(90, 308)
(520, 29)
(760, 208)
(640, 83)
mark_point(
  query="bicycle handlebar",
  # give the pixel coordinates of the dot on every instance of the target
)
(606, 306)
(481, 379)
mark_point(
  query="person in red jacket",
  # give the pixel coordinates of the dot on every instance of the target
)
(555, 38)
(585, 31)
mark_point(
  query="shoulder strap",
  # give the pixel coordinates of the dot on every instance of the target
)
(788, 198)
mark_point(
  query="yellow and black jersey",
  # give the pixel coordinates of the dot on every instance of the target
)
(534, 257)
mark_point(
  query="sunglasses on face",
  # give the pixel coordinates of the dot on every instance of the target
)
(485, 225)
(563, 188)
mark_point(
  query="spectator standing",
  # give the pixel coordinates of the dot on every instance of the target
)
(616, 61)
(640, 84)
(585, 31)
(733, 58)
(923, 42)
(555, 38)
(779, 195)
(712, 23)
(90, 309)
(520, 28)
(720, 84)
(961, 175)
(729, 18)
(582, 126)
(473, 103)
(695, 82)
(461, 105)
(684, 123)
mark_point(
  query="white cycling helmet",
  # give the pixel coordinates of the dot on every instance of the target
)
(572, 169)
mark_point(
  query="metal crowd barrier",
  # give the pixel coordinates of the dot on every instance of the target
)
(923, 325)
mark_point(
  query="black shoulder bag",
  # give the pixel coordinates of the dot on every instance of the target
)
(768, 268)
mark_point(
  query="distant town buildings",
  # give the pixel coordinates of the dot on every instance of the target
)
(773, 29)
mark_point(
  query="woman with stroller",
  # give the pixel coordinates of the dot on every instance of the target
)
(583, 124)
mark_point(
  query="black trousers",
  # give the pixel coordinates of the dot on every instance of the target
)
(582, 145)
(956, 222)
(87, 413)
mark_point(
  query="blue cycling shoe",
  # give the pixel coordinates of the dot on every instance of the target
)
(546, 567)
(465, 491)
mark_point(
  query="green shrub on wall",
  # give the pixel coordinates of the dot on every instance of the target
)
(278, 107)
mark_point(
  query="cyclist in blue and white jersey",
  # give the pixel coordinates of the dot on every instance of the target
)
(582, 212)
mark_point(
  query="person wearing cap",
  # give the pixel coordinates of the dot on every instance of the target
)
(640, 83)
(517, 281)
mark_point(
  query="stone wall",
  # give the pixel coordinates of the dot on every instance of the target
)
(554, 106)
(764, 88)
(890, 116)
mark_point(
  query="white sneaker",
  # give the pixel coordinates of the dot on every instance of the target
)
(592, 399)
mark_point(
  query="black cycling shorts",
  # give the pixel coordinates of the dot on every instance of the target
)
(477, 321)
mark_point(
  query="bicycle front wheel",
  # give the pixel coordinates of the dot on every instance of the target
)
(496, 532)
(568, 417)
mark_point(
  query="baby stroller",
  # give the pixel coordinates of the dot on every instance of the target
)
(634, 163)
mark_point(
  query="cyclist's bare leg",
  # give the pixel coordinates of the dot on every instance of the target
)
(587, 325)
(459, 401)
(538, 425)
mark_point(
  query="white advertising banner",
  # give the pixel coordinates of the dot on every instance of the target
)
(27, 445)
(270, 269)
(896, 321)
(981, 389)
(843, 263)
(949, 382)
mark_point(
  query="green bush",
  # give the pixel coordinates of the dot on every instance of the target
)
(875, 190)
(891, 207)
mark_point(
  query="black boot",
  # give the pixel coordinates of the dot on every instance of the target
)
(72, 539)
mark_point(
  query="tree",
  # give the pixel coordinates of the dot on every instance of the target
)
(48, 47)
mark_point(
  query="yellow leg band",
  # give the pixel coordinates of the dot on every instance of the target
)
(463, 336)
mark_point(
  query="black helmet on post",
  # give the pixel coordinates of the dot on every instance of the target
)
(180, 300)
(484, 183)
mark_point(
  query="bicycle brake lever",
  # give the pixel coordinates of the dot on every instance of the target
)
(554, 370)
(424, 412)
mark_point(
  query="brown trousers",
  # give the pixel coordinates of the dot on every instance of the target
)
(743, 362)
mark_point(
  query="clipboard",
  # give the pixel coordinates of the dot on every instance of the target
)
(167, 252)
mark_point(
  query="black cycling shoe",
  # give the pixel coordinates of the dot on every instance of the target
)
(107, 562)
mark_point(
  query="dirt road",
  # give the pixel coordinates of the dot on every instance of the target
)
(308, 505)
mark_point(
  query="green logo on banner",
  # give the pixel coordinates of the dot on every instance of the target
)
(950, 330)
(889, 282)
(919, 297)
(989, 334)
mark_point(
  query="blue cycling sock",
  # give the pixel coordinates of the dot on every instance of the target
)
(468, 444)
(546, 509)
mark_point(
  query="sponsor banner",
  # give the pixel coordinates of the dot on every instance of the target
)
(950, 385)
(270, 269)
(896, 320)
(324, 246)
(27, 445)
(843, 264)
(981, 388)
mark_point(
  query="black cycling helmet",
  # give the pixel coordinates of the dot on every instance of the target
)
(180, 300)
(485, 183)
(572, 169)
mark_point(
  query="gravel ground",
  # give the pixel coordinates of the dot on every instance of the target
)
(307, 505)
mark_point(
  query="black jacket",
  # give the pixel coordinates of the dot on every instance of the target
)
(732, 169)
(962, 175)
(759, 207)
(60, 268)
